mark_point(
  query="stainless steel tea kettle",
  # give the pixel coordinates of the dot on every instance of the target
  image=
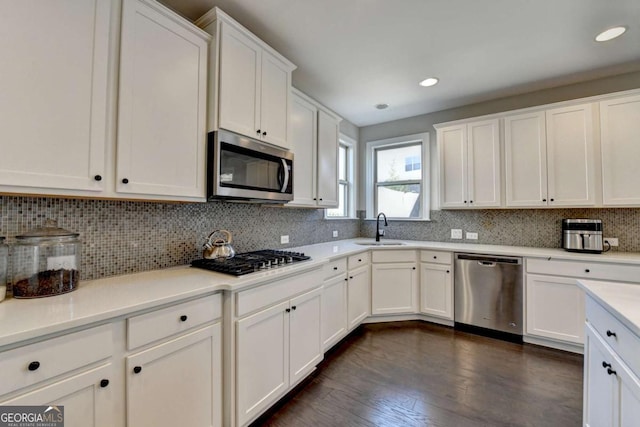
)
(219, 248)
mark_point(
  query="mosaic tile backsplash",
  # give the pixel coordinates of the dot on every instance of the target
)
(516, 227)
(120, 237)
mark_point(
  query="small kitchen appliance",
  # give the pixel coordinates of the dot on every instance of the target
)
(250, 262)
(45, 262)
(219, 248)
(582, 235)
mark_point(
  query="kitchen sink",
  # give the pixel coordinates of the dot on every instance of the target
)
(380, 243)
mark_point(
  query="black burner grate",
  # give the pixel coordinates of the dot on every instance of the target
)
(249, 262)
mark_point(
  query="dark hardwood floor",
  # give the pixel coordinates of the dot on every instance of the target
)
(420, 374)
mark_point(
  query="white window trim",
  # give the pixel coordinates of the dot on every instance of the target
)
(353, 173)
(426, 161)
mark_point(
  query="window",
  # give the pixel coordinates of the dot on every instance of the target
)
(346, 192)
(397, 184)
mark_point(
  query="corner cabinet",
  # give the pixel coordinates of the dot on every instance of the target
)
(250, 83)
(394, 282)
(620, 127)
(470, 165)
(314, 137)
(538, 148)
(162, 103)
(436, 284)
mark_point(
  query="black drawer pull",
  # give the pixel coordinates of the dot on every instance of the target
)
(586, 270)
(359, 260)
(335, 268)
(288, 310)
(104, 383)
(611, 371)
(98, 178)
(183, 318)
(611, 334)
(293, 307)
(33, 366)
(137, 369)
(605, 364)
(447, 271)
(125, 181)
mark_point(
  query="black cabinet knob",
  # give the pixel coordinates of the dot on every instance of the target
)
(350, 277)
(587, 270)
(104, 383)
(447, 271)
(435, 257)
(125, 181)
(359, 260)
(551, 200)
(137, 369)
(288, 310)
(611, 371)
(258, 131)
(335, 268)
(33, 366)
(264, 133)
(98, 177)
(470, 201)
(321, 199)
(544, 200)
(465, 201)
(315, 198)
(183, 318)
(293, 307)
(413, 268)
(345, 279)
(605, 364)
(611, 334)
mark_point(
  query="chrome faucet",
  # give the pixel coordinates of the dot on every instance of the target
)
(380, 233)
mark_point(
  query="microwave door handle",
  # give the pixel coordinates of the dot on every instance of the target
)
(285, 182)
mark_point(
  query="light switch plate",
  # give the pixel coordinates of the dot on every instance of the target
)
(284, 239)
(456, 233)
(472, 236)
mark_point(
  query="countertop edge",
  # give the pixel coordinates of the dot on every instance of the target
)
(593, 288)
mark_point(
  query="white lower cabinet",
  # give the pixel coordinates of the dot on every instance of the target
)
(358, 296)
(176, 383)
(436, 290)
(611, 389)
(275, 348)
(555, 308)
(334, 310)
(88, 398)
(394, 288)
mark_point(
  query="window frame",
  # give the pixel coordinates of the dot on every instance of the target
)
(351, 173)
(425, 184)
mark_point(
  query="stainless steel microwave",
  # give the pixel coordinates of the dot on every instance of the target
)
(243, 169)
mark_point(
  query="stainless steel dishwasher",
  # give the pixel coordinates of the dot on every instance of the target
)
(488, 295)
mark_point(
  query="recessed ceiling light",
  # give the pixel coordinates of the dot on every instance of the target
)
(382, 106)
(429, 82)
(610, 34)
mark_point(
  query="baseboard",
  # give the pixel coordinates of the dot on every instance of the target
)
(573, 348)
(403, 317)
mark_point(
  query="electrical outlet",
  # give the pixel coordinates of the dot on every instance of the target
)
(456, 233)
(335, 233)
(613, 241)
(65, 262)
(472, 236)
(284, 239)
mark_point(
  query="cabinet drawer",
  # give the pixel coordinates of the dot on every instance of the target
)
(436, 257)
(270, 293)
(358, 260)
(622, 340)
(393, 256)
(160, 324)
(335, 268)
(34, 363)
(590, 270)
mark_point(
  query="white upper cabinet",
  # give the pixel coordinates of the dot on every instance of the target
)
(549, 158)
(250, 83)
(314, 141)
(162, 103)
(55, 87)
(470, 165)
(620, 128)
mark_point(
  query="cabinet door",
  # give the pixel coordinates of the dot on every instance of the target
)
(555, 308)
(620, 127)
(452, 144)
(629, 397)
(162, 104)
(483, 159)
(305, 335)
(274, 101)
(358, 296)
(327, 160)
(262, 360)
(87, 400)
(240, 68)
(56, 79)
(525, 160)
(436, 290)
(600, 388)
(334, 311)
(394, 288)
(303, 144)
(570, 156)
(175, 383)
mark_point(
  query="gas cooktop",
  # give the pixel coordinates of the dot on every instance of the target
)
(250, 262)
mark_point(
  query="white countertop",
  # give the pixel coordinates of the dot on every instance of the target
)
(103, 299)
(622, 300)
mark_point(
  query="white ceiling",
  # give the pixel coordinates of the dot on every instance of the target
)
(354, 54)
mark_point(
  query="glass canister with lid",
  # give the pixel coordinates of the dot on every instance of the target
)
(4, 253)
(45, 262)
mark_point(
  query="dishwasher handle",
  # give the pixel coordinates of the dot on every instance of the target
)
(489, 260)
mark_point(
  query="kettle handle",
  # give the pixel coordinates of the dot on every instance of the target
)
(227, 240)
